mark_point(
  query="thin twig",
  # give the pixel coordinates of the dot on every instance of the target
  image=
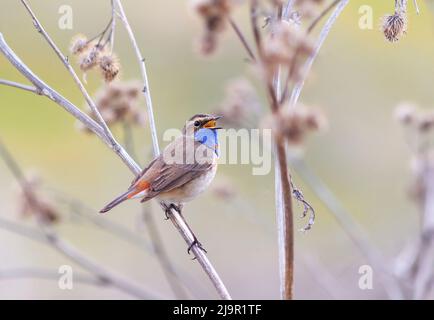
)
(113, 26)
(82, 211)
(298, 87)
(175, 217)
(53, 95)
(321, 15)
(242, 39)
(68, 66)
(157, 243)
(142, 66)
(19, 86)
(132, 165)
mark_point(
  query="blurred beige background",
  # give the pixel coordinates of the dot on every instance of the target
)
(357, 80)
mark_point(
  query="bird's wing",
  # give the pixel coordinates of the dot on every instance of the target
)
(175, 175)
(160, 176)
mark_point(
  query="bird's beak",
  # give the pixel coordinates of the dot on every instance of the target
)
(212, 123)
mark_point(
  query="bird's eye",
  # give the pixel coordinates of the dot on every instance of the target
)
(196, 123)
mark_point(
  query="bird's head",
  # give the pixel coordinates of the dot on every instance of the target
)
(201, 121)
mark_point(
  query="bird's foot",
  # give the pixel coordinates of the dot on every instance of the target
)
(168, 209)
(196, 243)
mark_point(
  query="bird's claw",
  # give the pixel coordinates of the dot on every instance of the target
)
(168, 209)
(198, 244)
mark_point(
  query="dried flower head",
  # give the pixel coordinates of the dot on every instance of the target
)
(394, 26)
(214, 15)
(118, 102)
(240, 107)
(90, 58)
(294, 124)
(32, 203)
(79, 44)
(110, 67)
(286, 45)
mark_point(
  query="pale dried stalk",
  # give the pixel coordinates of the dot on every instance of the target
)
(298, 87)
(425, 259)
(43, 89)
(146, 88)
(175, 217)
(97, 129)
(113, 26)
(283, 196)
(157, 244)
(68, 66)
(19, 86)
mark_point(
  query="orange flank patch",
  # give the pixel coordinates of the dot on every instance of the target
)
(139, 187)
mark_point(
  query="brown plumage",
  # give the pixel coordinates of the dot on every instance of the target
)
(184, 169)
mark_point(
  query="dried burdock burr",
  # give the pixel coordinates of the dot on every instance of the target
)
(90, 58)
(110, 67)
(79, 44)
(394, 26)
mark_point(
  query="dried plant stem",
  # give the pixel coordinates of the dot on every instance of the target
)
(102, 131)
(284, 212)
(113, 26)
(175, 217)
(19, 86)
(298, 87)
(47, 91)
(283, 195)
(242, 38)
(425, 256)
(157, 243)
(321, 15)
(68, 66)
(82, 211)
(53, 95)
(142, 66)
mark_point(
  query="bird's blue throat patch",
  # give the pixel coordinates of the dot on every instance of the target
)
(208, 137)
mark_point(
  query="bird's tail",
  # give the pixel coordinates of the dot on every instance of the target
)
(115, 202)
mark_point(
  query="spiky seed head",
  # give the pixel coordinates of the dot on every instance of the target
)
(90, 59)
(110, 67)
(394, 26)
(79, 44)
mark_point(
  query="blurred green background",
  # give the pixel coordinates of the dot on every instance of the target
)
(357, 80)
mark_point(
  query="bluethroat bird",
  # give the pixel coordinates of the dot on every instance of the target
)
(184, 169)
